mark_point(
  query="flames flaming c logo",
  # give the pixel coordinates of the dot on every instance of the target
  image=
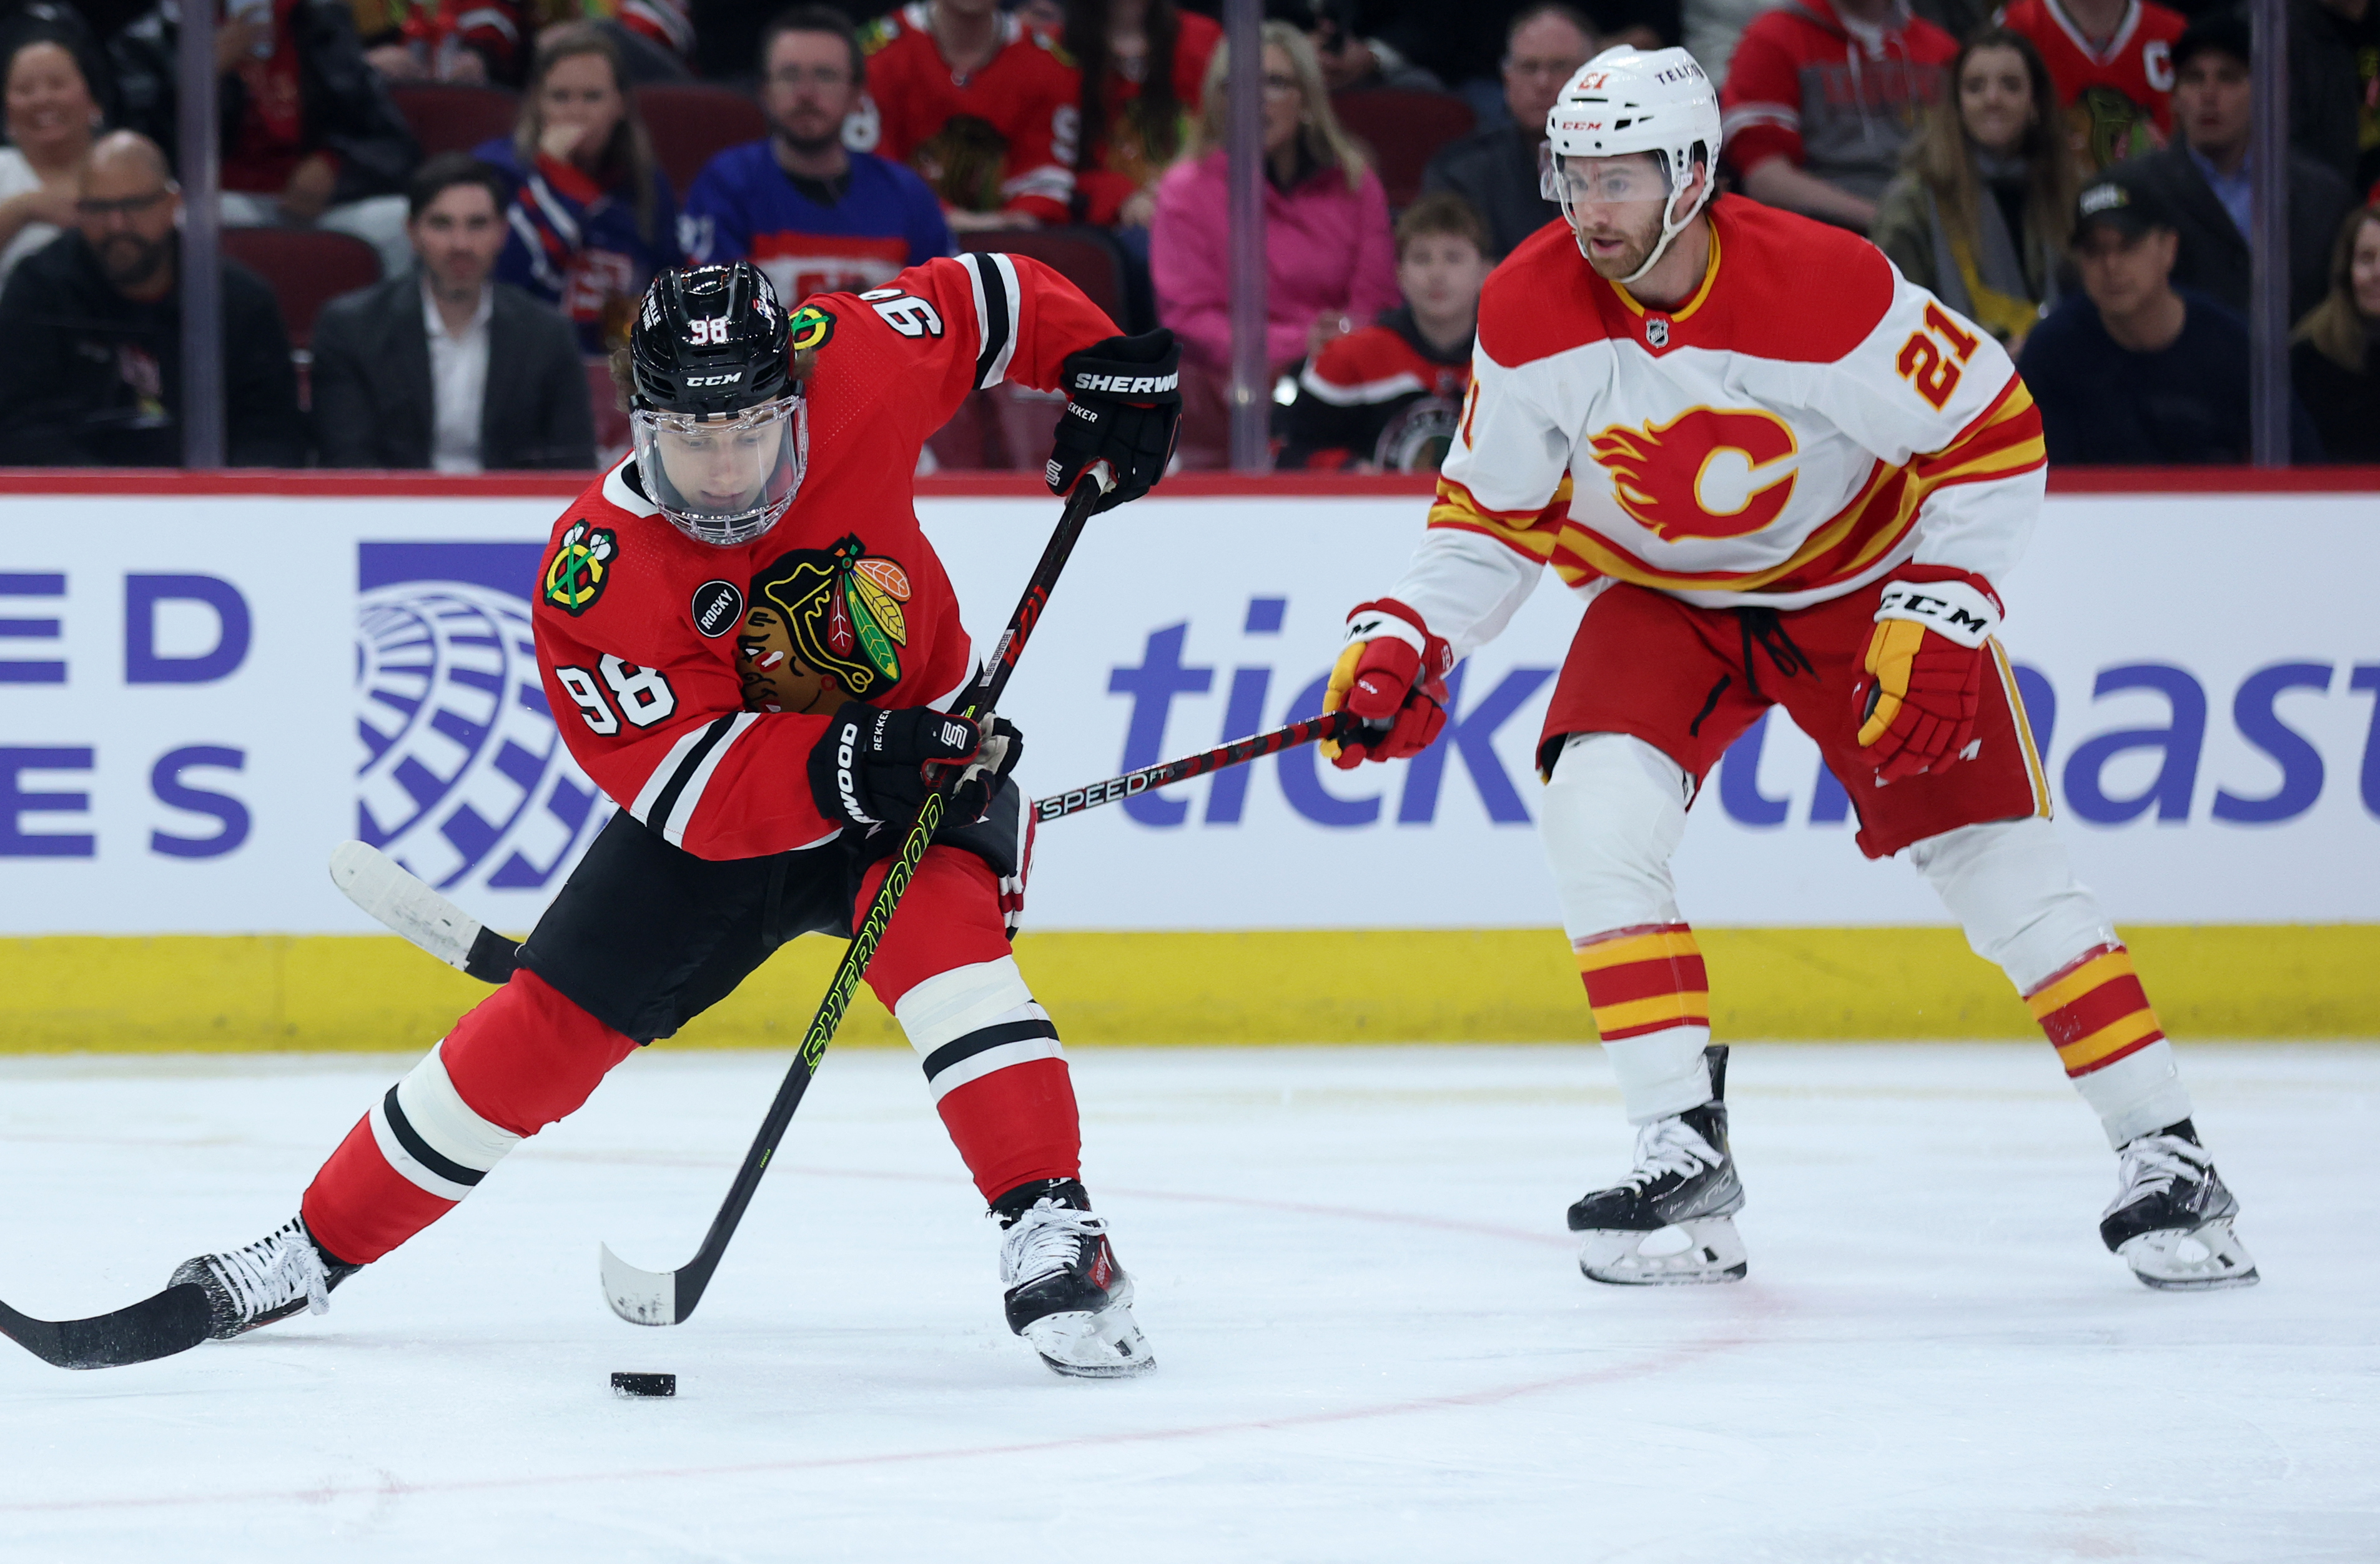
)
(1657, 472)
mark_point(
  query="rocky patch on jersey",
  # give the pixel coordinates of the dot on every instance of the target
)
(825, 624)
(580, 568)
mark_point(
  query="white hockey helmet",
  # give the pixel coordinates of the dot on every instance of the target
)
(1627, 100)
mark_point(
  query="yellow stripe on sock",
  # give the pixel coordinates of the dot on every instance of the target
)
(1686, 1009)
(2082, 980)
(2114, 1038)
(1636, 948)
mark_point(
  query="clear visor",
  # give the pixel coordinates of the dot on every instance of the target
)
(1597, 181)
(724, 479)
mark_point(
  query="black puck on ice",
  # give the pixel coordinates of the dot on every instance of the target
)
(639, 1385)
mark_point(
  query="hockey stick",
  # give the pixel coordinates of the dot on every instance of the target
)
(381, 887)
(1073, 801)
(643, 1297)
(158, 1326)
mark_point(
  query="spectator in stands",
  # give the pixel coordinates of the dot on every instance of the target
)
(2334, 57)
(1980, 215)
(471, 42)
(1496, 169)
(1142, 62)
(2203, 180)
(92, 373)
(2112, 62)
(310, 137)
(2133, 371)
(444, 366)
(983, 108)
(52, 120)
(592, 216)
(1385, 399)
(1822, 98)
(2331, 359)
(1328, 258)
(815, 216)
(1713, 27)
(1351, 61)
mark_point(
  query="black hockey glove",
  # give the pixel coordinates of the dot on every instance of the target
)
(1123, 405)
(876, 766)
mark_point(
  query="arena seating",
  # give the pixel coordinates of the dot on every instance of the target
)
(1402, 129)
(447, 118)
(305, 267)
(690, 123)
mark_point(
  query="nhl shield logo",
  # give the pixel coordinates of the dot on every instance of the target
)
(1657, 331)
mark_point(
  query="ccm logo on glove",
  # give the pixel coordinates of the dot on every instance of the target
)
(1922, 685)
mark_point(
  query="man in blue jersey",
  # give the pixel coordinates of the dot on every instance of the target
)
(815, 217)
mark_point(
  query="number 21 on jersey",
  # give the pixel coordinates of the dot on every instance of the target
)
(1924, 364)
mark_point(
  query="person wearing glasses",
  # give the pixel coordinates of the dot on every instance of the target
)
(1496, 169)
(92, 376)
(812, 214)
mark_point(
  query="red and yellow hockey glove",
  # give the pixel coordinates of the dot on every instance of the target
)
(1923, 681)
(1392, 675)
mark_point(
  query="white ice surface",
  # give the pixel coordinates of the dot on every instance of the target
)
(1373, 1343)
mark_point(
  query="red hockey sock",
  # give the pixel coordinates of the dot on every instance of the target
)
(520, 1059)
(990, 1055)
(2094, 1012)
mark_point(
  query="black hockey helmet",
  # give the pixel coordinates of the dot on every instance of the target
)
(722, 431)
(709, 340)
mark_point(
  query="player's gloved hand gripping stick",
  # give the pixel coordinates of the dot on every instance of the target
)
(643, 1297)
(381, 886)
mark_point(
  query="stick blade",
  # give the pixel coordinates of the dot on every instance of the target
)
(640, 1297)
(378, 884)
(172, 1321)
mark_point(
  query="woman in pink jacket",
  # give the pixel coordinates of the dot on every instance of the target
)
(1330, 264)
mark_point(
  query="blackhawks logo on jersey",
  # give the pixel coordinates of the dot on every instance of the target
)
(839, 611)
(581, 565)
(808, 327)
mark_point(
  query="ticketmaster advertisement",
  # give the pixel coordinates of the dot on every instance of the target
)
(200, 697)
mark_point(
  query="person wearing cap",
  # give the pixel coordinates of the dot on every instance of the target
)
(2205, 178)
(2134, 372)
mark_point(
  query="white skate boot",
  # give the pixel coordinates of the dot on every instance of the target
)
(1672, 1221)
(1066, 1293)
(272, 1279)
(2171, 1217)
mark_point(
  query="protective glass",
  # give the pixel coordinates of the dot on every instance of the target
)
(1582, 181)
(724, 480)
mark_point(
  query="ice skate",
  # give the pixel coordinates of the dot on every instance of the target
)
(1670, 1222)
(1066, 1293)
(2171, 1220)
(273, 1278)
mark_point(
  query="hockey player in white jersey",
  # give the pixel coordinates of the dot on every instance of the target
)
(1780, 474)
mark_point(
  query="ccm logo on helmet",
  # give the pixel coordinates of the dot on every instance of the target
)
(1126, 385)
(714, 380)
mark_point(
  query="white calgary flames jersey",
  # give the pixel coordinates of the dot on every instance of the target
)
(1806, 422)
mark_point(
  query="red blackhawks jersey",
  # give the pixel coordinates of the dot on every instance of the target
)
(2118, 94)
(1000, 140)
(638, 623)
(1806, 422)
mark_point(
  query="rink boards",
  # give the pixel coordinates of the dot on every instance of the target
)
(205, 692)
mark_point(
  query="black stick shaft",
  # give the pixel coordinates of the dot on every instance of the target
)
(989, 681)
(1073, 801)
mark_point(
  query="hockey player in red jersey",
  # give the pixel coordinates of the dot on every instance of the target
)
(2112, 63)
(1768, 493)
(743, 635)
(984, 109)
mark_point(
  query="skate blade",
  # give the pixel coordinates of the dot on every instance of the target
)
(2197, 1261)
(1085, 1345)
(1691, 1254)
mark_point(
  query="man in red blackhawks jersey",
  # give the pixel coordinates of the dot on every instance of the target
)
(1769, 493)
(744, 636)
